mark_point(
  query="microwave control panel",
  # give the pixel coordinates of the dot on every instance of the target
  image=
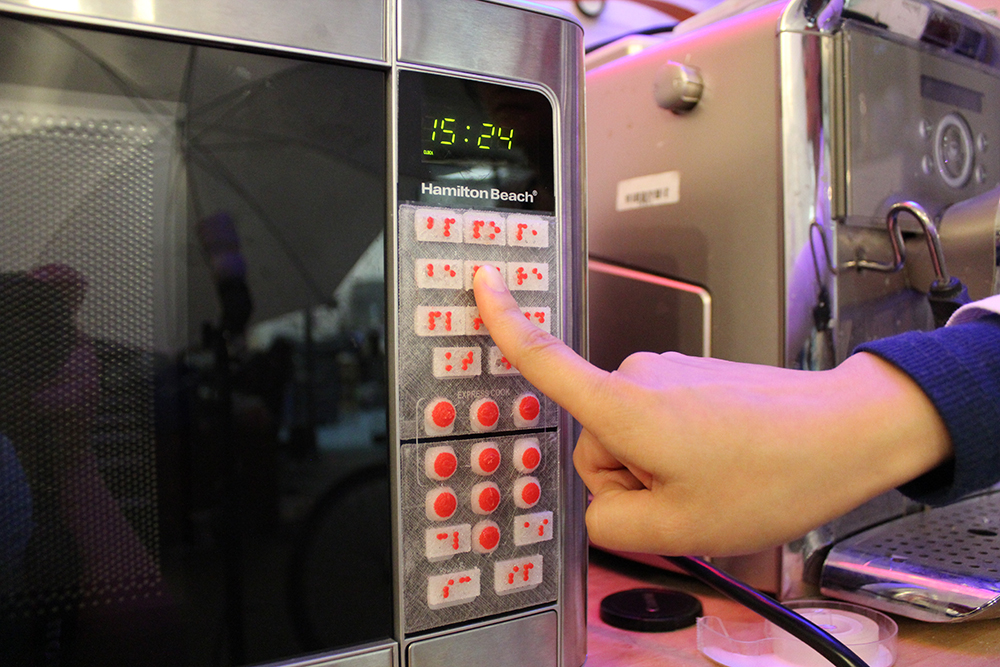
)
(479, 451)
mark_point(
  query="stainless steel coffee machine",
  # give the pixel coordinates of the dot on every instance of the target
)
(777, 182)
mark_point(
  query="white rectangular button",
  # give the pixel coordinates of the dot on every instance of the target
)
(472, 266)
(457, 362)
(484, 228)
(439, 320)
(437, 225)
(540, 317)
(528, 276)
(442, 542)
(517, 574)
(498, 364)
(532, 528)
(445, 590)
(474, 325)
(527, 231)
(439, 273)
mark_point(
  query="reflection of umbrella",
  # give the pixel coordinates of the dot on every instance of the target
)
(294, 152)
(299, 167)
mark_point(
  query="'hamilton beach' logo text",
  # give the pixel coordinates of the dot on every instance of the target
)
(464, 191)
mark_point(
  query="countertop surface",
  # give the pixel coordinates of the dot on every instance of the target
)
(973, 644)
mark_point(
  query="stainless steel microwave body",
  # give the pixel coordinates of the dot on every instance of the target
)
(250, 414)
(742, 172)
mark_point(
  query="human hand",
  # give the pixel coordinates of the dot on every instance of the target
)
(687, 455)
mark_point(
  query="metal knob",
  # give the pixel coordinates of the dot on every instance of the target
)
(678, 87)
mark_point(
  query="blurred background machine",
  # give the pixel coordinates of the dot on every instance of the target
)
(776, 183)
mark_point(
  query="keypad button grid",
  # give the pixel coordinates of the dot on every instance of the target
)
(475, 561)
(444, 349)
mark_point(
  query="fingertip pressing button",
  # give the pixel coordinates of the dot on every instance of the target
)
(526, 411)
(527, 492)
(440, 503)
(484, 415)
(440, 463)
(484, 458)
(439, 416)
(527, 455)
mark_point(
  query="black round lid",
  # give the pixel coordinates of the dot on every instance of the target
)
(650, 610)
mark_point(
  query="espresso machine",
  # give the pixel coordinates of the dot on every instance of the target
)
(778, 182)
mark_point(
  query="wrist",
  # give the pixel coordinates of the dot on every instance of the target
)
(901, 435)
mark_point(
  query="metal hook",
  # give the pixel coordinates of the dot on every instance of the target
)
(899, 249)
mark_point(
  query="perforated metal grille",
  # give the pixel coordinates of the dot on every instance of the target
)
(963, 538)
(78, 477)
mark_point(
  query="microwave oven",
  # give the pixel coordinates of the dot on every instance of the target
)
(748, 176)
(250, 415)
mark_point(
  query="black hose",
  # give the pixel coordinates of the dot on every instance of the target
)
(814, 636)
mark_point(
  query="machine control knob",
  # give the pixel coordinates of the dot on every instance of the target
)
(678, 88)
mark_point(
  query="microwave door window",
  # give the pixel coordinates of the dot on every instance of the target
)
(193, 436)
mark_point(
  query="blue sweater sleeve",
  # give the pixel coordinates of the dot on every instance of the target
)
(958, 367)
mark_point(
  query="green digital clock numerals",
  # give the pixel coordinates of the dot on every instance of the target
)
(449, 132)
(496, 132)
(442, 126)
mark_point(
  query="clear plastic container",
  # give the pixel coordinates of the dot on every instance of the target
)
(869, 633)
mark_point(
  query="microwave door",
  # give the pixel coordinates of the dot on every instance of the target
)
(194, 433)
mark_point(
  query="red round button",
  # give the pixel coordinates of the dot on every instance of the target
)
(527, 454)
(528, 407)
(531, 458)
(446, 503)
(486, 459)
(443, 414)
(439, 416)
(526, 410)
(440, 463)
(530, 494)
(489, 538)
(484, 415)
(527, 492)
(485, 537)
(485, 497)
(441, 503)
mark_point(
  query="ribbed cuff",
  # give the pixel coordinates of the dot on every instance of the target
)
(958, 367)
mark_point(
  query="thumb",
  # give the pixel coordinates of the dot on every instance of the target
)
(544, 360)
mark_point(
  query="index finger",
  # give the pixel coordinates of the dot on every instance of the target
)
(544, 360)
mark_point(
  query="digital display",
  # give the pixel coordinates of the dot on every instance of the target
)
(475, 140)
(443, 136)
(950, 93)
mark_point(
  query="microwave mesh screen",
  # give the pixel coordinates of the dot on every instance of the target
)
(78, 486)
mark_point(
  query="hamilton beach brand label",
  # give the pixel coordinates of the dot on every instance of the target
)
(465, 192)
(646, 191)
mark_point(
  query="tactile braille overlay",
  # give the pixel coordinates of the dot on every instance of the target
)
(484, 540)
